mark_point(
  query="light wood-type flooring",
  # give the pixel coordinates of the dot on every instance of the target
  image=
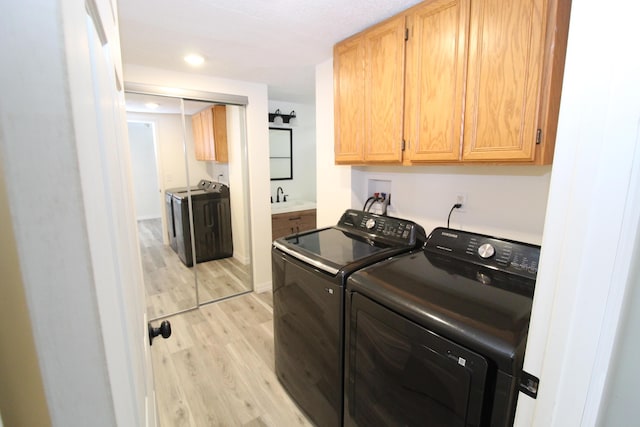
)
(171, 285)
(217, 368)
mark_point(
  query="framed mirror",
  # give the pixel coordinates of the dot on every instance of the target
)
(280, 153)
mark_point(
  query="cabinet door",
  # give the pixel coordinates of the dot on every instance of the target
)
(307, 220)
(384, 91)
(504, 72)
(210, 134)
(435, 80)
(198, 138)
(348, 84)
(292, 222)
(219, 133)
(207, 134)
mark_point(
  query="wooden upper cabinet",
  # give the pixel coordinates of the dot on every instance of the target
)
(384, 91)
(348, 72)
(210, 134)
(476, 81)
(369, 93)
(506, 51)
(198, 137)
(435, 80)
(208, 148)
(219, 129)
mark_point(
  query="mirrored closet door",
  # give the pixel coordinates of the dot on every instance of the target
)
(190, 187)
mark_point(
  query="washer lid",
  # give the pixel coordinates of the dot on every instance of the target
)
(183, 194)
(482, 309)
(358, 239)
(330, 249)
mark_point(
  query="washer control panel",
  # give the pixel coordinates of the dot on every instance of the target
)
(491, 252)
(381, 228)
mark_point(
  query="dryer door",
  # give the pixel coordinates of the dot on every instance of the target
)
(399, 373)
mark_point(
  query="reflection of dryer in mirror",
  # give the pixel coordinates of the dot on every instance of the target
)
(211, 222)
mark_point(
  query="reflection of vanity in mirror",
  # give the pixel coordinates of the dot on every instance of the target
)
(290, 213)
(190, 186)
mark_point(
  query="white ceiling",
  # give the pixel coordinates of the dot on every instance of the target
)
(276, 42)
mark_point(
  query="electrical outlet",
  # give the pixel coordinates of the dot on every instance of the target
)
(462, 199)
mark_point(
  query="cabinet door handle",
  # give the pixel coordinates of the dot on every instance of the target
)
(295, 218)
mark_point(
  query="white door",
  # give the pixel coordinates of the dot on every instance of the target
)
(108, 193)
(65, 162)
(65, 165)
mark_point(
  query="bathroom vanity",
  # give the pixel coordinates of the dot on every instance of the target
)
(292, 217)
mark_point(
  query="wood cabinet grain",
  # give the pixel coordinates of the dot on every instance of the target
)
(478, 81)
(369, 95)
(435, 83)
(283, 224)
(504, 73)
(210, 134)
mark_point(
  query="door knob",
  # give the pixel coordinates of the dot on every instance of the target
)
(164, 330)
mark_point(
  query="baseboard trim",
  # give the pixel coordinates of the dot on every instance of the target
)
(263, 287)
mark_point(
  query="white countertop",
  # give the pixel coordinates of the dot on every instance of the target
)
(292, 206)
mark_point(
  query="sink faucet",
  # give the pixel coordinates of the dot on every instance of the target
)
(278, 191)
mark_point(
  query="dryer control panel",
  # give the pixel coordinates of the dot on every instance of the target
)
(491, 252)
(393, 231)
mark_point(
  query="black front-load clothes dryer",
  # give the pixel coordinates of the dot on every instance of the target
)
(437, 337)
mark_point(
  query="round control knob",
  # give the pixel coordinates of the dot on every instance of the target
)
(370, 223)
(486, 251)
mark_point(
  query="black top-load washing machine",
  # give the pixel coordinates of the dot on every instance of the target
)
(211, 222)
(309, 273)
(437, 337)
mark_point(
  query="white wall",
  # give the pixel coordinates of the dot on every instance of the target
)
(259, 210)
(303, 184)
(143, 170)
(621, 396)
(505, 201)
(168, 129)
(333, 187)
(233, 174)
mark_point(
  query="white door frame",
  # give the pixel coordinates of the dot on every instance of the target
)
(62, 116)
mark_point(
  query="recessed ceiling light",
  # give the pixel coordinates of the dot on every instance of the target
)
(151, 105)
(194, 59)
